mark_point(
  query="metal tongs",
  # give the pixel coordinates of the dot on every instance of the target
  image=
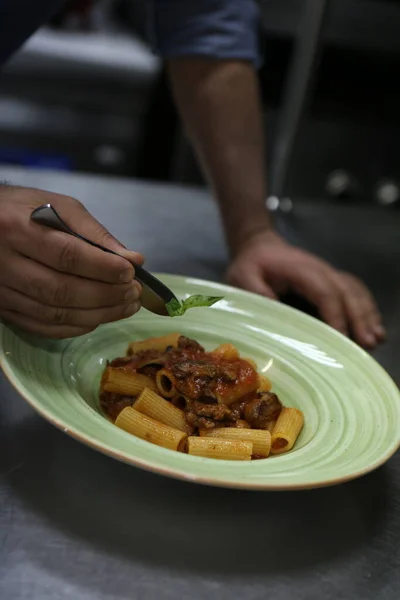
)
(155, 294)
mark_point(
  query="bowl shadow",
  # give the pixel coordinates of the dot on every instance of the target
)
(137, 516)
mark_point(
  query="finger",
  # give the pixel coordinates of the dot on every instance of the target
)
(20, 303)
(251, 280)
(21, 228)
(68, 254)
(319, 289)
(135, 258)
(363, 314)
(43, 329)
(81, 221)
(58, 289)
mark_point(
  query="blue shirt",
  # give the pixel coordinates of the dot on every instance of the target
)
(221, 29)
(224, 29)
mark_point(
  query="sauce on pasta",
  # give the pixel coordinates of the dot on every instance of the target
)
(173, 393)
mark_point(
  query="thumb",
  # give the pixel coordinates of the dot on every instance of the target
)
(251, 280)
(81, 221)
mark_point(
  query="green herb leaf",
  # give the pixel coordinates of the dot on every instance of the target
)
(174, 308)
(177, 309)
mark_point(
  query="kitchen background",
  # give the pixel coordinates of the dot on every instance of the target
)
(86, 93)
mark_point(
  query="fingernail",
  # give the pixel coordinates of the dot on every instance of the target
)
(131, 309)
(131, 294)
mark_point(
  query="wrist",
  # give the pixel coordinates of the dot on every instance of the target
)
(260, 232)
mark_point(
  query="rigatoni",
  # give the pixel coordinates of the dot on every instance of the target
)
(270, 426)
(218, 448)
(126, 382)
(260, 439)
(251, 362)
(226, 351)
(265, 384)
(146, 428)
(157, 343)
(286, 430)
(166, 384)
(151, 404)
(208, 404)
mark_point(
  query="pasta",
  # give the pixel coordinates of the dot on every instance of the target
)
(144, 427)
(227, 351)
(270, 426)
(260, 439)
(157, 343)
(265, 384)
(217, 448)
(286, 430)
(166, 384)
(171, 392)
(151, 404)
(127, 383)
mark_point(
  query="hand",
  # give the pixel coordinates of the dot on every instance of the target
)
(53, 284)
(269, 266)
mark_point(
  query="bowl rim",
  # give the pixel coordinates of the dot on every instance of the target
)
(177, 473)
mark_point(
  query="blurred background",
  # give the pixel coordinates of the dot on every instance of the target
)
(87, 93)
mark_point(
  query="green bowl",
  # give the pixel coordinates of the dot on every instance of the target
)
(351, 406)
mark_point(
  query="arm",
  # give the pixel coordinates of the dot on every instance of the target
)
(53, 284)
(220, 106)
(211, 48)
(212, 52)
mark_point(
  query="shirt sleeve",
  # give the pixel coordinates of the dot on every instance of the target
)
(221, 29)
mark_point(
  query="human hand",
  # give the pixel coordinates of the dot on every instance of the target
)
(53, 284)
(269, 266)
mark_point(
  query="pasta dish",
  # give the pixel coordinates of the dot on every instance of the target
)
(171, 392)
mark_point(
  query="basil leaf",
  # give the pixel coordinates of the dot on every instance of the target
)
(199, 301)
(177, 309)
(174, 308)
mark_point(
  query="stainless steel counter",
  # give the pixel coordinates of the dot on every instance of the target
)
(77, 525)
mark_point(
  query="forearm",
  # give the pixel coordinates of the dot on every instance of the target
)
(220, 106)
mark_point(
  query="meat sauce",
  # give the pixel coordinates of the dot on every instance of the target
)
(209, 378)
(222, 392)
(113, 404)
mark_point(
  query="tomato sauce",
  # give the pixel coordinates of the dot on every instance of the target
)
(208, 377)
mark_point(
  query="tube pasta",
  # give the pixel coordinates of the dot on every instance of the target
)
(146, 428)
(286, 430)
(165, 382)
(218, 448)
(214, 390)
(151, 404)
(242, 424)
(226, 351)
(265, 384)
(261, 439)
(179, 401)
(126, 382)
(157, 343)
(270, 426)
(251, 362)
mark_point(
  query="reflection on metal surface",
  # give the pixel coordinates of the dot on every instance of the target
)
(341, 184)
(273, 203)
(387, 193)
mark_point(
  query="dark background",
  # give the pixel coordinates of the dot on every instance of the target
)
(88, 94)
